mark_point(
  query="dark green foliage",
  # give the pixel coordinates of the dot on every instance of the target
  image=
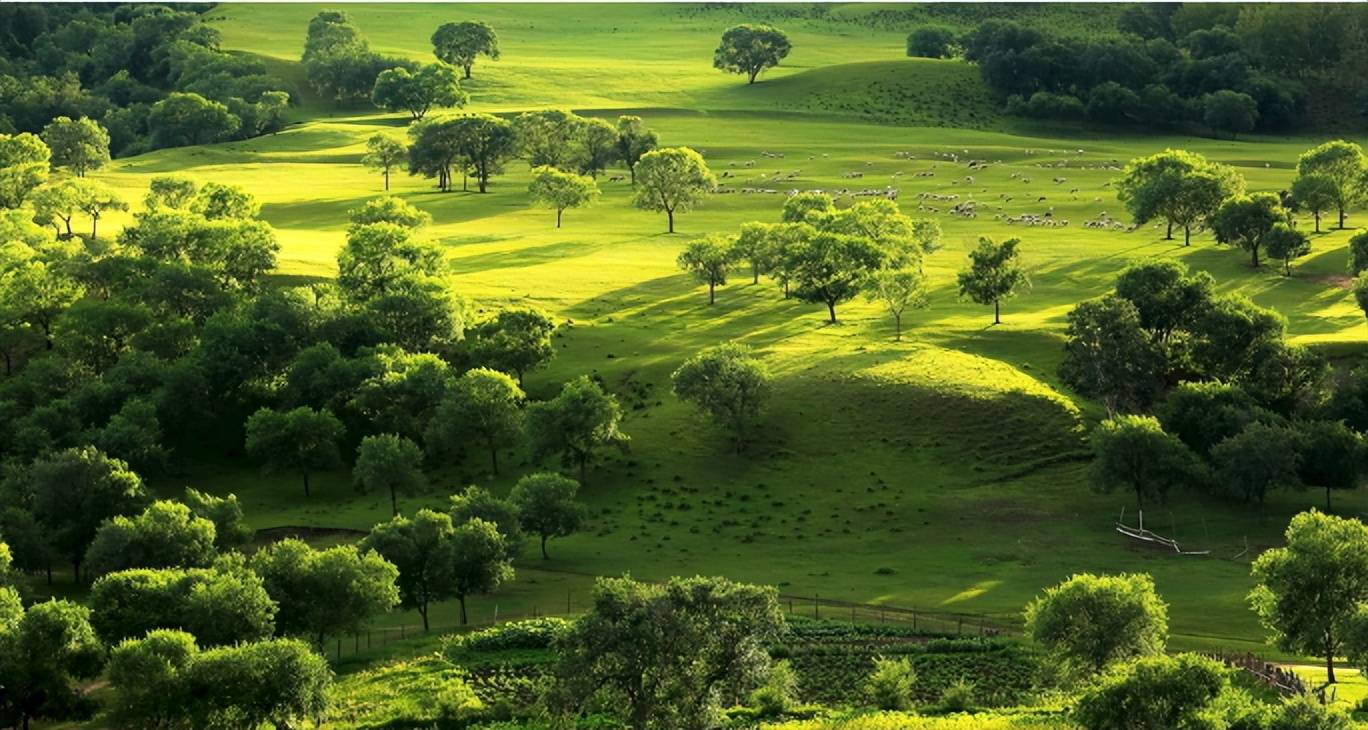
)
(931, 42)
(324, 593)
(1109, 356)
(1203, 414)
(577, 424)
(165, 535)
(546, 506)
(1155, 693)
(1257, 460)
(222, 605)
(44, 651)
(1133, 452)
(1091, 622)
(750, 49)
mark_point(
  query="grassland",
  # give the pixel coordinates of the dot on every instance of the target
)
(946, 472)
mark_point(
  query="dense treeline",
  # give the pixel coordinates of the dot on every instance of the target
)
(152, 75)
(1227, 68)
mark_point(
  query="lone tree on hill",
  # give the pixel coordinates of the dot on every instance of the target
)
(707, 259)
(994, 274)
(384, 154)
(672, 179)
(898, 289)
(460, 43)
(546, 506)
(750, 49)
(553, 188)
(576, 424)
(1315, 194)
(80, 145)
(729, 385)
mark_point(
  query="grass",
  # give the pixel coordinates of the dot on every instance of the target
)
(954, 458)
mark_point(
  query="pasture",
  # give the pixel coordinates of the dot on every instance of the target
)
(946, 472)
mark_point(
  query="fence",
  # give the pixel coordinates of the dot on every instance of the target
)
(1282, 681)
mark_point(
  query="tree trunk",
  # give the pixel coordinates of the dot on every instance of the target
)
(755, 273)
(583, 467)
(997, 312)
(387, 181)
(394, 502)
(1341, 217)
(831, 313)
(543, 545)
(897, 328)
(306, 483)
(423, 611)
(461, 598)
(1329, 665)
(94, 221)
(467, 70)
(1254, 252)
(1317, 217)
(1187, 235)
(1168, 236)
(669, 214)
(631, 170)
(558, 216)
(712, 293)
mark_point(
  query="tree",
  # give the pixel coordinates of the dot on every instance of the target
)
(164, 680)
(1360, 289)
(1166, 297)
(379, 257)
(1154, 693)
(1090, 622)
(1285, 243)
(829, 267)
(728, 384)
(549, 137)
(328, 592)
(484, 406)
(390, 463)
(1202, 414)
(1331, 456)
(546, 506)
(57, 201)
(1109, 356)
(516, 340)
(222, 605)
(756, 244)
(384, 153)
(398, 89)
(423, 549)
(460, 43)
(1247, 220)
(633, 141)
(1308, 593)
(1182, 188)
(1134, 452)
(74, 491)
(1257, 460)
(38, 294)
(79, 144)
(44, 652)
(165, 535)
(597, 144)
(389, 209)
(482, 561)
(553, 188)
(994, 274)
(24, 162)
(576, 424)
(750, 49)
(1344, 165)
(402, 391)
(931, 42)
(669, 654)
(898, 290)
(230, 528)
(1230, 111)
(670, 180)
(1314, 194)
(477, 503)
(302, 440)
(1358, 253)
(707, 259)
(94, 199)
(186, 118)
(478, 142)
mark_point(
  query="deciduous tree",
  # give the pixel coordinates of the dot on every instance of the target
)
(460, 43)
(388, 462)
(750, 49)
(1134, 452)
(729, 385)
(301, 440)
(994, 274)
(546, 506)
(577, 424)
(708, 259)
(1091, 622)
(1344, 165)
(384, 153)
(80, 145)
(485, 407)
(324, 593)
(557, 189)
(672, 180)
(423, 549)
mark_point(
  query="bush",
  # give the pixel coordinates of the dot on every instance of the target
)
(778, 693)
(1045, 105)
(958, 697)
(889, 686)
(537, 633)
(931, 42)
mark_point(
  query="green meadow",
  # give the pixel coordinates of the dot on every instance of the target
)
(945, 472)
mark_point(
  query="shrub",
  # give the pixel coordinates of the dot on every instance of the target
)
(889, 686)
(958, 697)
(778, 692)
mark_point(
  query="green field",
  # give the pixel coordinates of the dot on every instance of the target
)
(954, 458)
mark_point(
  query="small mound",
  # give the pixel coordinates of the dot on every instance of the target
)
(915, 92)
(970, 409)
